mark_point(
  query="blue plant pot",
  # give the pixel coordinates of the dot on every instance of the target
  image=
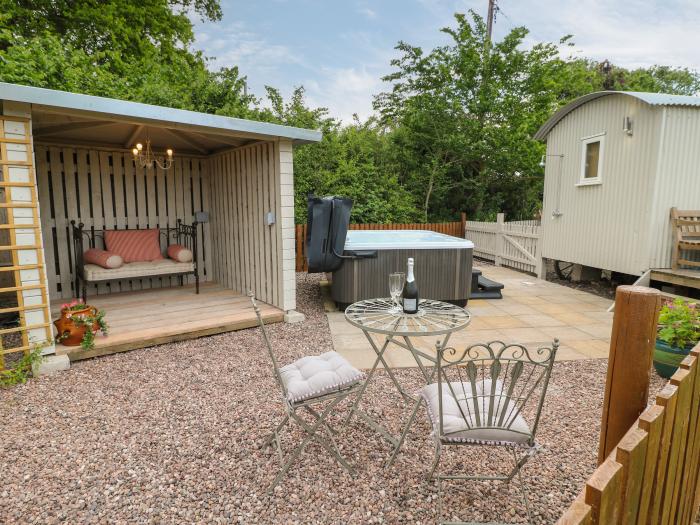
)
(668, 358)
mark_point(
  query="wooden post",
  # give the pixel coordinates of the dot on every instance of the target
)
(629, 363)
(500, 219)
(463, 218)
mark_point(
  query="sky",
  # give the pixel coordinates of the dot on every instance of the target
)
(339, 49)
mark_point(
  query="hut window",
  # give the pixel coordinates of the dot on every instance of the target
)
(592, 159)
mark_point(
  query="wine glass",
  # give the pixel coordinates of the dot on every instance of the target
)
(396, 282)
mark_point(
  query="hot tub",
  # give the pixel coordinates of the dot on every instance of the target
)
(443, 265)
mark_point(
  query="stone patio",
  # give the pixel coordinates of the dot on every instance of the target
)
(532, 312)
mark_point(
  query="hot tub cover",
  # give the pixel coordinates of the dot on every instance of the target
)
(403, 239)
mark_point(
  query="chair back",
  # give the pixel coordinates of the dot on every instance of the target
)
(271, 354)
(493, 386)
(687, 222)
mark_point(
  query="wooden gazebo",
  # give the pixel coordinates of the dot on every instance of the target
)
(67, 157)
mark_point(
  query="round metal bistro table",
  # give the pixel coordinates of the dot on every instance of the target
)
(383, 316)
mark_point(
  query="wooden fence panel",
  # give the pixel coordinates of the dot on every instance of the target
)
(691, 364)
(631, 454)
(652, 476)
(651, 421)
(103, 189)
(579, 513)
(603, 491)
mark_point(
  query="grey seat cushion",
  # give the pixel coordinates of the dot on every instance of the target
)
(137, 269)
(314, 376)
(462, 425)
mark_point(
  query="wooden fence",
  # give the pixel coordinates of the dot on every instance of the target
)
(514, 244)
(455, 229)
(652, 476)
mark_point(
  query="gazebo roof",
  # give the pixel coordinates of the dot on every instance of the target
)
(100, 109)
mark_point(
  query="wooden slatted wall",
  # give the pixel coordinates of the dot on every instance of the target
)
(244, 187)
(104, 189)
(653, 475)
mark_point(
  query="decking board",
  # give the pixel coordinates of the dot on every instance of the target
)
(680, 277)
(139, 319)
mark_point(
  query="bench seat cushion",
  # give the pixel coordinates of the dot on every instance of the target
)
(137, 269)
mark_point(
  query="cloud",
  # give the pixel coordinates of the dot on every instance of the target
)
(251, 52)
(345, 91)
(634, 33)
(367, 12)
(341, 60)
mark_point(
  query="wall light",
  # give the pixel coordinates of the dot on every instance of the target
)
(627, 125)
(542, 160)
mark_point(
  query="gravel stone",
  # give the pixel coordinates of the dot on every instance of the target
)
(171, 434)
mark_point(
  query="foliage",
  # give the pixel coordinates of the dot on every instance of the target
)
(464, 116)
(453, 133)
(74, 306)
(22, 369)
(128, 50)
(87, 321)
(679, 323)
(354, 161)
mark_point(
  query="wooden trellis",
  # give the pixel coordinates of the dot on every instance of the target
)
(27, 312)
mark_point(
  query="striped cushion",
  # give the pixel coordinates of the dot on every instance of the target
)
(102, 258)
(177, 252)
(135, 245)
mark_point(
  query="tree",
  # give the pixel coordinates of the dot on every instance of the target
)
(463, 116)
(454, 132)
(129, 50)
(354, 160)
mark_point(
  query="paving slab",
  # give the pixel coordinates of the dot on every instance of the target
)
(532, 312)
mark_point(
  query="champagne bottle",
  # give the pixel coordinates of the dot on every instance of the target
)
(410, 291)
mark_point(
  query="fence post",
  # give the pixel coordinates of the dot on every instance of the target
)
(540, 264)
(463, 218)
(629, 363)
(500, 219)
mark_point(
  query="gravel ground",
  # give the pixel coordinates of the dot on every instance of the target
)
(170, 434)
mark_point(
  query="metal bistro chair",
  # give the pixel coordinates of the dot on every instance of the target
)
(491, 395)
(314, 380)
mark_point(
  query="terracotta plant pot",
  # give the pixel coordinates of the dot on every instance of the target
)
(69, 333)
(668, 358)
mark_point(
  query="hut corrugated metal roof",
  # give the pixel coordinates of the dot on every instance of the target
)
(653, 99)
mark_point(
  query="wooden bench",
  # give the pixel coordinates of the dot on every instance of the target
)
(90, 273)
(686, 236)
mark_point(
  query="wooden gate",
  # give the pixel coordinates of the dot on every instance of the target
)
(24, 310)
(514, 244)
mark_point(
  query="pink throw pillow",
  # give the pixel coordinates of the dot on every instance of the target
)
(102, 258)
(135, 245)
(177, 252)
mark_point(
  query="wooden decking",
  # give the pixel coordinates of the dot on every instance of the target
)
(679, 277)
(152, 317)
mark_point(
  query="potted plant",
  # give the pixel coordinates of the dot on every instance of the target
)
(678, 333)
(78, 324)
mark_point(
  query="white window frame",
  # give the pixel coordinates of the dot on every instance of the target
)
(598, 179)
